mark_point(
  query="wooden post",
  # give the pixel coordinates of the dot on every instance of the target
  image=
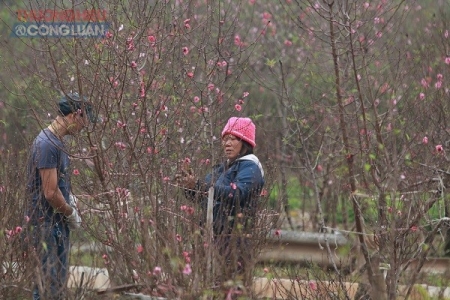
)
(209, 230)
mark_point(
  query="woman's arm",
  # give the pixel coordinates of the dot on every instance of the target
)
(239, 183)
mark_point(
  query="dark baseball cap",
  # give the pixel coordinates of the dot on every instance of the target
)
(72, 102)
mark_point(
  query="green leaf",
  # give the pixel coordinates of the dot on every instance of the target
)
(271, 62)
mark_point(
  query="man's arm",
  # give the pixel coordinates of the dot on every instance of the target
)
(52, 192)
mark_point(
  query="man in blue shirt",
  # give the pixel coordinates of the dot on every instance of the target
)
(51, 209)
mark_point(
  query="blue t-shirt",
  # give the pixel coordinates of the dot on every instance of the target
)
(47, 152)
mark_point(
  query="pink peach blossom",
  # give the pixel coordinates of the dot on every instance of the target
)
(123, 192)
(186, 24)
(120, 145)
(237, 40)
(187, 269)
(142, 90)
(157, 271)
(424, 83)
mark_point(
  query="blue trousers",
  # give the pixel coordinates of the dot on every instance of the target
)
(52, 245)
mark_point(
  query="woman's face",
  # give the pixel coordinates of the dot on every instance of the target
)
(232, 146)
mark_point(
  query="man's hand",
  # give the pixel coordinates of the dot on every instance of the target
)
(73, 220)
(73, 201)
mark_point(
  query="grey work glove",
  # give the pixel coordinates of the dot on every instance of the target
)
(73, 200)
(74, 220)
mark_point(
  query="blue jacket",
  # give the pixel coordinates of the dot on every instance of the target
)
(236, 190)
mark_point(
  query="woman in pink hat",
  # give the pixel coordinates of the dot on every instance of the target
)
(237, 186)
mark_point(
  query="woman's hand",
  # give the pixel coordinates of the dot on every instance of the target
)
(186, 177)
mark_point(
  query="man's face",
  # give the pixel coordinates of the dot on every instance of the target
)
(77, 121)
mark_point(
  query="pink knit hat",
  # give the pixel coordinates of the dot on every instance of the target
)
(242, 128)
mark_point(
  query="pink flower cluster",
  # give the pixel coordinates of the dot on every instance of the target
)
(152, 40)
(13, 232)
(122, 192)
(187, 209)
(187, 269)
